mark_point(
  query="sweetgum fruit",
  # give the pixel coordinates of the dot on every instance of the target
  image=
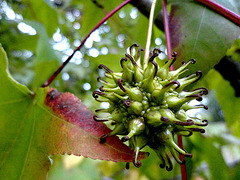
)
(148, 105)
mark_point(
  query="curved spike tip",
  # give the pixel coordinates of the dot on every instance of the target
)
(95, 118)
(131, 58)
(165, 119)
(103, 138)
(127, 165)
(173, 82)
(120, 84)
(137, 164)
(102, 66)
(96, 93)
(125, 138)
(133, 46)
(127, 103)
(121, 61)
(101, 89)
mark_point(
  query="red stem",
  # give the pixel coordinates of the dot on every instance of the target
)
(169, 51)
(55, 74)
(230, 15)
(166, 29)
(183, 166)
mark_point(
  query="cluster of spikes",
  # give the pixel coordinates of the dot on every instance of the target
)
(148, 105)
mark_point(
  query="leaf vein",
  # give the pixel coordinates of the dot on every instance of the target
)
(198, 33)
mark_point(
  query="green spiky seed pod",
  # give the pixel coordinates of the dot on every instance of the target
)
(148, 105)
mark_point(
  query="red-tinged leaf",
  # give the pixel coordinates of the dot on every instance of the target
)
(200, 33)
(30, 131)
(79, 134)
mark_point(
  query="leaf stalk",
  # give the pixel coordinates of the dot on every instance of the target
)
(169, 51)
(230, 15)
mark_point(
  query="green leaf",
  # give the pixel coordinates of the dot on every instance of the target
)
(200, 33)
(234, 51)
(229, 104)
(40, 11)
(206, 148)
(34, 125)
(91, 16)
(46, 61)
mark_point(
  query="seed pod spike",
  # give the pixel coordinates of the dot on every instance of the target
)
(105, 83)
(187, 107)
(163, 164)
(185, 133)
(200, 91)
(103, 138)
(119, 129)
(116, 90)
(135, 157)
(148, 83)
(167, 160)
(178, 71)
(176, 103)
(176, 156)
(95, 118)
(107, 70)
(132, 60)
(204, 123)
(171, 61)
(127, 74)
(139, 57)
(127, 165)
(127, 103)
(197, 130)
(159, 92)
(163, 72)
(137, 75)
(131, 48)
(135, 127)
(170, 166)
(101, 110)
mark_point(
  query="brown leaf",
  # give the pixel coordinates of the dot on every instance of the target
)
(75, 131)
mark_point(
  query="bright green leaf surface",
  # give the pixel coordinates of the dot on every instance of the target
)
(206, 148)
(16, 130)
(227, 100)
(200, 33)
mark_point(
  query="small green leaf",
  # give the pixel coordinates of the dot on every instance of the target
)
(229, 104)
